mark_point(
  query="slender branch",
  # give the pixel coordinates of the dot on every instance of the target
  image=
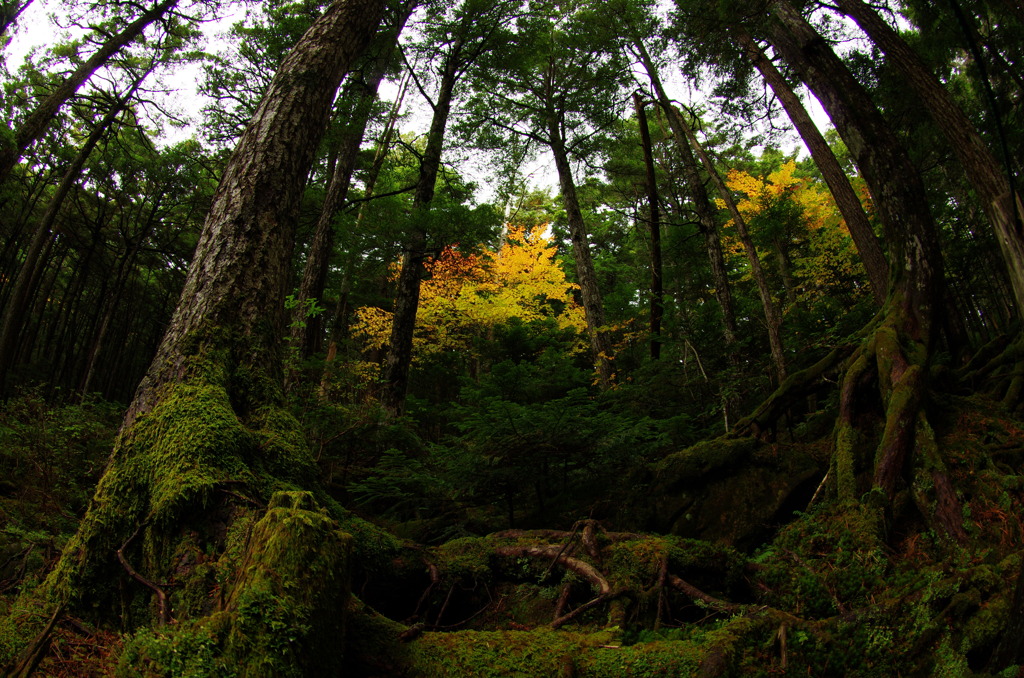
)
(604, 597)
(696, 594)
(161, 596)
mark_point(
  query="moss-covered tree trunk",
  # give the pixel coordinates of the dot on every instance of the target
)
(890, 367)
(176, 530)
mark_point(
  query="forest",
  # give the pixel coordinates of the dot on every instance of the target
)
(566, 338)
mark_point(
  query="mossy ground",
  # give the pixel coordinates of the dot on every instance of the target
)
(853, 588)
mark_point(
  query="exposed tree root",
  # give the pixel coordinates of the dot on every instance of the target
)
(621, 569)
(696, 594)
(798, 385)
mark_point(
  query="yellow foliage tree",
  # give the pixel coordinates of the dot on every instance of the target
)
(828, 258)
(467, 295)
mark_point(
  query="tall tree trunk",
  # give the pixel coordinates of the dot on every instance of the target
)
(838, 183)
(308, 331)
(586, 276)
(654, 210)
(772, 316)
(1002, 205)
(37, 122)
(895, 357)
(209, 415)
(403, 325)
(701, 205)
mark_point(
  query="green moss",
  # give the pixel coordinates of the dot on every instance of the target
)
(191, 650)
(528, 654)
(702, 459)
(825, 562)
(467, 558)
(845, 457)
(282, 449)
(164, 468)
(282, 615)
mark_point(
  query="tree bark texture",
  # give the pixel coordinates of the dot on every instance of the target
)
(846, 199)
(241, 268)
(895, 184)
(1002, 206)
(895, 356)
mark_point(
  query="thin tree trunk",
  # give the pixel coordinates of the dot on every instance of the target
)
(586, 276)
(773, 318)
(17, 304)
(838, 183)
(701, 205)
(342, 309)
(112, 298)
(37, 122)
(654, 210)
(1002, 205)
(894, 182)
(395, 374)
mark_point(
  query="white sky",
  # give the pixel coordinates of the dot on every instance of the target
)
(37, 29)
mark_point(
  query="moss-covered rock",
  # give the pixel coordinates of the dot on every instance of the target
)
(730, 490)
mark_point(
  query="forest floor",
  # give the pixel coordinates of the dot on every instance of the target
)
(732, 561)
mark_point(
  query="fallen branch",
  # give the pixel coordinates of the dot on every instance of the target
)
(585, 570)
(30, 657)
(696, 594)
(604, 597)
